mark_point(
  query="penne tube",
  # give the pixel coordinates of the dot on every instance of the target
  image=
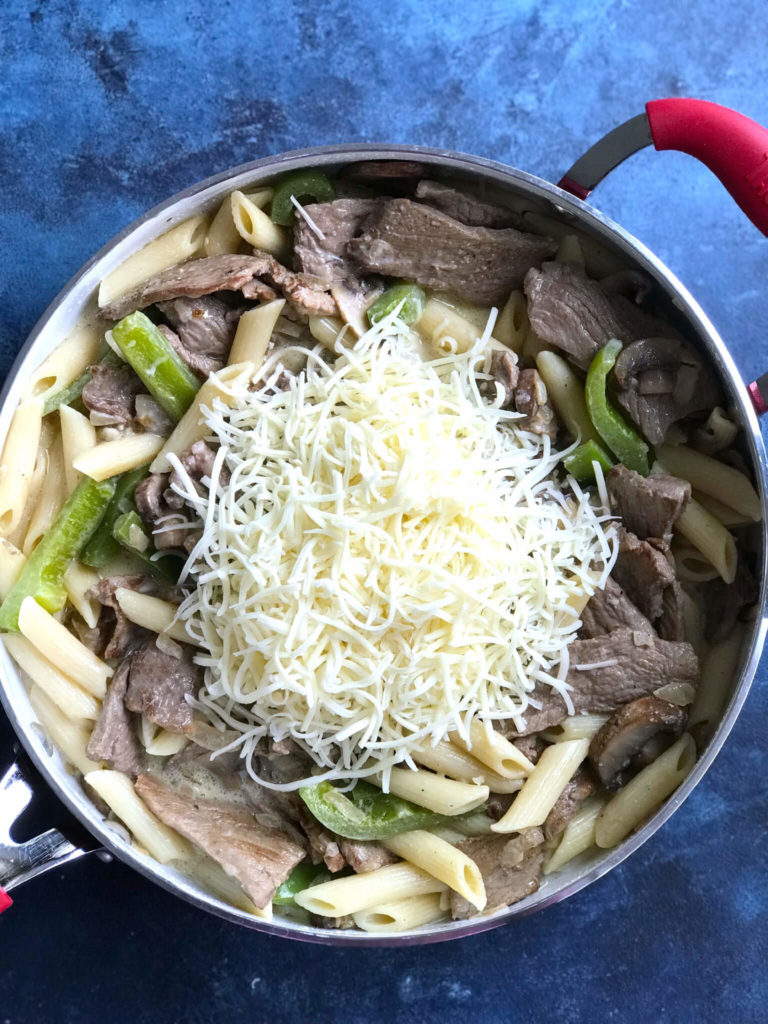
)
(512, 324)
(18, 463)
(116, 790)
(441, 325)
(551, 774)
(718, 672)
(570, 251)
(255, 227)
(326, 330)
(645, 792)
(110, 458)
(724, 483)
(579, 835)
(11, 563)
(254, 333)
(566, 392)
(577, 727)
(447, 759)
(62, 648)
(67, 361)
(78, 435)
(435, 792)
(690, 565)
(710, 538)
(191, 427)
(78, 580)
(401, 915)
(51, 497)
(63, 692)
(206, 872)
(159, 741)
(494, 750)
(222, 235)
(728, 517)
(174, 246)
(71, 737)
(354, 893)
(443, 861)
(152, 613)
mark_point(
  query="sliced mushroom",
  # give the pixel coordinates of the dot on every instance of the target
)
(505, 373)
(661, 381)
(628, 732)
(396, 177)
(632, 284)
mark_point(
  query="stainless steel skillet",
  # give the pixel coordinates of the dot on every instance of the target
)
(735, 148)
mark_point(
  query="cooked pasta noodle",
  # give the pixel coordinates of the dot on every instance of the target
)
(710, 538)
(718, 672)
(254, 332)
(570, 251)
(712, 477)
(494, 750)
(51, 497)
(78, 436)
(401, 915)
(70, 736)
(550, 776)
(579, 834)
(443, 861)
(512, 324)
(152, 613)
(63, 692)
(435, 792)
(78, 580)
(18, 463)
(68, 360)
(447, 759)
(222, 235)
(255, 227)
(354, 893)
(11, 563)
(55, 642)
(112, 457)
(566, 393)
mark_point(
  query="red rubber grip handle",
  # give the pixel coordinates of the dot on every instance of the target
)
(731, 145)
(5, 900)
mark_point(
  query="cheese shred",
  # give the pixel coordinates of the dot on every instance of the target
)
(384, 556)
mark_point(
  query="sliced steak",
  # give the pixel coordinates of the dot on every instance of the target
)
(323, 845)
(649, 506)
(531, 400)
(203, 330)
(158, 684)
(505, 374)
(629, 665)
(670, 625)
(156, 498)
(725, 602)
(339, 221)
(510, 868)
(581, 786)
(115, 635)
(362, 856)
(421, 244)
(110, 395)
(530, 746)
(114, 738)
(259, 276)
(644, 569)
(463, 207)
(610, 609)
(259, 859)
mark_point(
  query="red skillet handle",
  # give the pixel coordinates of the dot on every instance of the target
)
(732, 146)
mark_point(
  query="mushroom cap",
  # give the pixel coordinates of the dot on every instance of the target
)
(627, 731)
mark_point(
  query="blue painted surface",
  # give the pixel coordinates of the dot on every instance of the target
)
(105, 110)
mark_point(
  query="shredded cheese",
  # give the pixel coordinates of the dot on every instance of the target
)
(384, 557)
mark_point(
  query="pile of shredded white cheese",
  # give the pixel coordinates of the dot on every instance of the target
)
(384, 557)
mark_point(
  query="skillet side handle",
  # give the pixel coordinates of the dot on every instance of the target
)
(21, 861)
(731, 145)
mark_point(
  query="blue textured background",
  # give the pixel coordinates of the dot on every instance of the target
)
(105, 110)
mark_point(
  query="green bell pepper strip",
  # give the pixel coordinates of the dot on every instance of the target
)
(164, 374)
(411, 296)
(102, 548)
(73, 391)
(365, 812)
(125, 530)
(623, 440)
(302, 876)
(303, 185)
(580, 463)
(43, 573)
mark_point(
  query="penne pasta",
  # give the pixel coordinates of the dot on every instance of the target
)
(512, 324)
(710, 538)
(435, 792)
(645, 792)
(577, 727)
(116, 790)
(67, 361)
(158, 741)
(180, 243)
(442, 326)
(494, 750)
(212, 876)
(718, 672)
(570, 251)
(112, 457)
(78, 580)
(63, 692)
(70, 736)
(254, 333)
(727, 516)
(443, 861)
(401, 915)
(255, 227)
(551, 774)
(447, 759)
(191, 427)
(62, 648)
(326, 330)
(152, 613)
(222, 235)
(722, 482)
(566, 392)
(579, 835)
(78, 435)
(11, 563)
(690, 565)
(51, 497)
(350, 895)
(18, 463)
